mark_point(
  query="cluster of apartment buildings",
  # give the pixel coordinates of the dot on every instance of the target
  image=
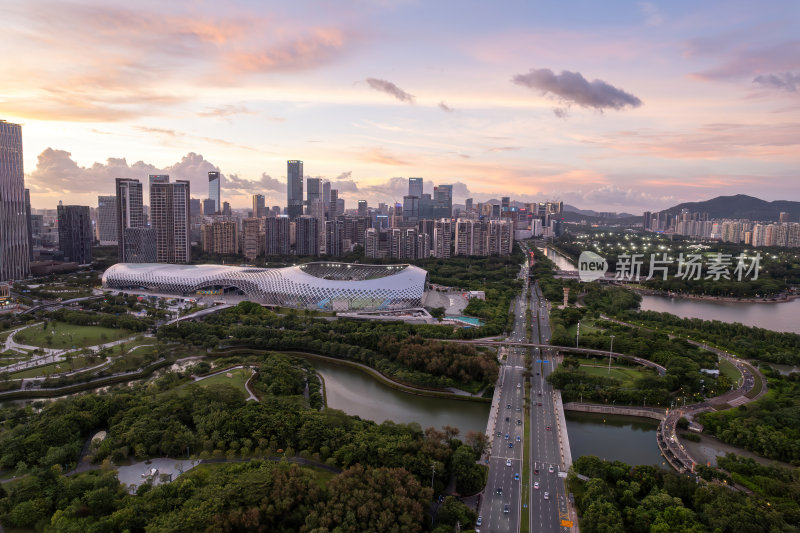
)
(698, 225)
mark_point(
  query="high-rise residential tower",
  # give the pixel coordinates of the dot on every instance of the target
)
(75, 233)
(215, 190)
(308, 234)
(169, 214)
(294, 188)
(29, 222)
(129, 214)
(15, 260)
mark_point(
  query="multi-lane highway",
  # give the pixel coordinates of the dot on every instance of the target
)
(545, 501)
(547, 504)
(501, 502)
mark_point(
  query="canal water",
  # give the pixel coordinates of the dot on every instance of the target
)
(780, 316)
(561, 261)
(356, 393)
(629, 439)
(623, 438)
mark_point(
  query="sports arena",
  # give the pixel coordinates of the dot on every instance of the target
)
(322, 285)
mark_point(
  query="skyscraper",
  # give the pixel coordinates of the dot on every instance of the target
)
(334, 204)
(130, 214)
(415, 187)
(277, 236)
(107, 220)
(326, 195)
(75, 233)
(363, 209)
(259, 206)
(294, 188)
(169, 213)
(313, 190)
(442, 238)
(443, 201)
(215, 190)
(15, 262)
(334, 237)
(29, 222)
(209, 207)
(307, 236)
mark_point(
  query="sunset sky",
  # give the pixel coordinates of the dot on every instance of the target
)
(614, 106)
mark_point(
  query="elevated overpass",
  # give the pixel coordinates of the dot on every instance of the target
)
(570, 349)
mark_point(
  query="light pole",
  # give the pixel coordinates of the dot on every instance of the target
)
(578, 334)
(611, 349)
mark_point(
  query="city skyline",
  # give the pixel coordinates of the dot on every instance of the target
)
(634, 108)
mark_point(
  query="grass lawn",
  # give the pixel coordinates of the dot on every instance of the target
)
(625, 375)
(729, 370)
(68, 335)
(587, 326)
(54, 368)
(238, 378)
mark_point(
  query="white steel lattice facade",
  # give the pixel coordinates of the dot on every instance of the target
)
(325, 285)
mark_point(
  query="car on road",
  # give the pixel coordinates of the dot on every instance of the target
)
(547, 428)
(539, 404)
(507, 419)
(506, 436)
(516, 476)
(508, 462)
(535, 471)
(499, 491)
(546, 495)
(519, 385)
(510, 444)
(518, 439)
(479, 521)
(519, 408)
(499, 434)
(540, 393)
(550, 469)
(505, 508)
(536, 485)
(508, 406)
(519, 422)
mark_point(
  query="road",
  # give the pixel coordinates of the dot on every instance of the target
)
(546, 513)
(508, 425)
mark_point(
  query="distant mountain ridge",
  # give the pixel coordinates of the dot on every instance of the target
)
(741, 206)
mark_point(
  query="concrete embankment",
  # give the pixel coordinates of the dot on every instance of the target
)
(646, 412)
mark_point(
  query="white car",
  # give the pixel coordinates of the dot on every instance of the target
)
(550, 469)
(546, 495)
(508, 462)
(536, 485)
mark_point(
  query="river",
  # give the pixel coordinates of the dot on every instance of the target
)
(629, 439)
(623, 438)
(561, 261)
(775, 316)
(356, 393)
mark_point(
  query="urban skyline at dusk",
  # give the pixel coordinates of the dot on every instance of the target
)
(631, 109)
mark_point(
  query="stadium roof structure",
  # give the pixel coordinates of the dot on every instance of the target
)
(321, 285)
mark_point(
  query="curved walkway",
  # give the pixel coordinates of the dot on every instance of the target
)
(251, 396)
(668, 442)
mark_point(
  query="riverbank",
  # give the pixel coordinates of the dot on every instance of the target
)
(389, 382)
(782, 298)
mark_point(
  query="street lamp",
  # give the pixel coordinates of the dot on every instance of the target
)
(578, 334)
(611, 349)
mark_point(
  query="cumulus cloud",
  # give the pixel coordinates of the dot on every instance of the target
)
(56, 173)
(572, 88)
(390, 88)
(445, 107)
(232, 183)
(785, 81)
